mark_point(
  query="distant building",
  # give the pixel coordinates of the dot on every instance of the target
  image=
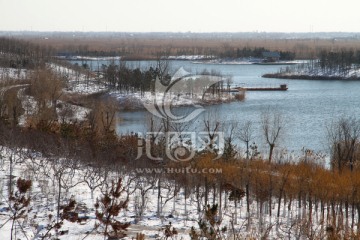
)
(271, 56)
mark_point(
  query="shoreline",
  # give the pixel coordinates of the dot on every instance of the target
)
(195, 59)
(308, 77)
(131, 103)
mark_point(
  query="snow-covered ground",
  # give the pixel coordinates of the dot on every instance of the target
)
(13, 74)
(79, 82)
(43, 202)
(190, 57)
(89, 58)
(319, 73)
(83, 84)
(180, 211)
(85, 87)
(315, 72)
(137, 100)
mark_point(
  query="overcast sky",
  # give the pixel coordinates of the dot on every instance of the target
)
(181, 16)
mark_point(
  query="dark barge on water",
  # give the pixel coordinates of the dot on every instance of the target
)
(282, 87)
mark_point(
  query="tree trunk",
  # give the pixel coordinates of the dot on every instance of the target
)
(220, 201)
(247, 205)
(333, 213)
(10, 175)
(358, 223)
(173, 202)
(261, 217)
(236, 211)
(214, 194)
(158, 199)
(58, 200)
(284, 208)
(270, 197)
(206, 192)
(352, 214)
(247, 150)
(299, 206)
(271, 152)
(347, 216)
(185, 197)
(322, 214)
(310, 210)
(279, 204)
(12, 227)
(198, 199)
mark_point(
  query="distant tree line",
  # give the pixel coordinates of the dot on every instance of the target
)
(85, 50)
(141, 52)
(256, 52)
(125, 79)
(327, 65)
(122, 78)
(341, 61)
(15, 53)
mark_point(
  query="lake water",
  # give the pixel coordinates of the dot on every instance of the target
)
(307, 107)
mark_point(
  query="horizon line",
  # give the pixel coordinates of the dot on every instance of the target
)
(178, 32)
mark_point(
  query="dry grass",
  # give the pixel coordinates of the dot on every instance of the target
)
(240, 96)
(147, 47)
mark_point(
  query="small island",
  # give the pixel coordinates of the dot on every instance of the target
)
(341, 65)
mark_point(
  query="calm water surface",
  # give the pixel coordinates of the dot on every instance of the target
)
(308, 106)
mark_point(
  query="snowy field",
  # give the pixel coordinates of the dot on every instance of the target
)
(77, 183)
(12, 74)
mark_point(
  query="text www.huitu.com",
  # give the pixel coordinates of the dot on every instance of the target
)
(180, 170)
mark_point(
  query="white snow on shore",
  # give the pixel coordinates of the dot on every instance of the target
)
(190, 57)
(137, 100)
(13, 74)
(90, 58)
(354, 72)
(80, 82)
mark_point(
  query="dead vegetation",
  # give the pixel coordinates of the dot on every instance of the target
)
(147, 47)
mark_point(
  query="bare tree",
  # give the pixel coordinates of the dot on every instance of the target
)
(143, 185)
(230, 151)
(14, 152)
(212, 127)
(64, 171)
(246, 135)
(343, 137)
(168, 191)
(102, 119)
(94, 177)
(153, 136)
(163, 65)
(46, 88)
(228, 82)
(272, 125)
(12, 106)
